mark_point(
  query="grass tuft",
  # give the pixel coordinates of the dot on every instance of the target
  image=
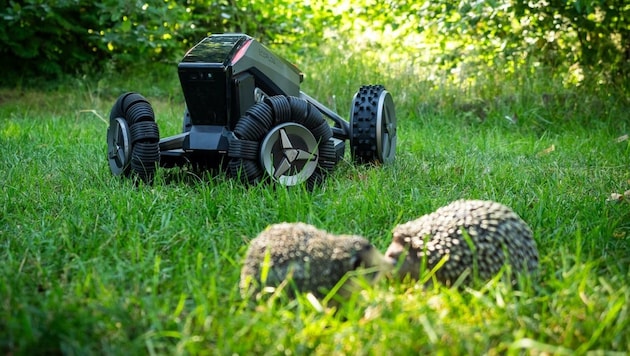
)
(94, 264)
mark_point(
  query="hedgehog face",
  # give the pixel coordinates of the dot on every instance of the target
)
(366, 256)
(363, 258)
(397, 256)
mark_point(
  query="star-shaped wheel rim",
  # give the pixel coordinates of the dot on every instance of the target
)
(291, 155)
(119, 145)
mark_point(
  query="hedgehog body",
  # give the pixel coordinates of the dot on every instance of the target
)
(471, 235)
(312, 259)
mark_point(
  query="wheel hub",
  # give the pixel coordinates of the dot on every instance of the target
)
(118, 146)
(289, 153)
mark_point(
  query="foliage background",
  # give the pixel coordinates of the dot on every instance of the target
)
(97, 265)
(579, 38)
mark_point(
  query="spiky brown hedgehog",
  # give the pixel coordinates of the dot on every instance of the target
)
(471, 234)
(310, 259)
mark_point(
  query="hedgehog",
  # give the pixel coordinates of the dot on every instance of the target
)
(474, 237)
(309, 259)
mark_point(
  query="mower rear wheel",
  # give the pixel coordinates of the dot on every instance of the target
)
(373, 125)
(145, 131)
(133, 138)
(291, 139)
(117, 109)
(118, 146)
(144, 159)
(289, 154)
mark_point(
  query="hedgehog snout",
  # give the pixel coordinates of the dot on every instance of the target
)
(356, 262)
(402, 264)
(394, 253)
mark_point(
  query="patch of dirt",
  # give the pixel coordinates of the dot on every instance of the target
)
(7, 95)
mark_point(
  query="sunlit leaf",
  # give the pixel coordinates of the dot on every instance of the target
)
(615, 197)
(547, 150)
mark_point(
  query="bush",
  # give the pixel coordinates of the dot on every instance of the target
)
(592, 33)
(65, 36)
(48, 38)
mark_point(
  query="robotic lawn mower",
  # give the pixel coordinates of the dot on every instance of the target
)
(245, 113)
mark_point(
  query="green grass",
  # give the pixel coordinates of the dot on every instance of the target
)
(94, 264)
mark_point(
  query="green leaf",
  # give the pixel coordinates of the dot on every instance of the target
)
(125, 26)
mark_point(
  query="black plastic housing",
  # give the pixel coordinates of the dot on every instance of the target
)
(219, 74)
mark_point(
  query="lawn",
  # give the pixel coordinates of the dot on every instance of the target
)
(92, 264)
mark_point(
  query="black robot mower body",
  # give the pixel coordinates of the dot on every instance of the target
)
(245, 113)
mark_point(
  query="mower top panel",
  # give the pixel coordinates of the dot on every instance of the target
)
(217, 49)
(212, 72)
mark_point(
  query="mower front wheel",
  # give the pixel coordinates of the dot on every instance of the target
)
(373, 125)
